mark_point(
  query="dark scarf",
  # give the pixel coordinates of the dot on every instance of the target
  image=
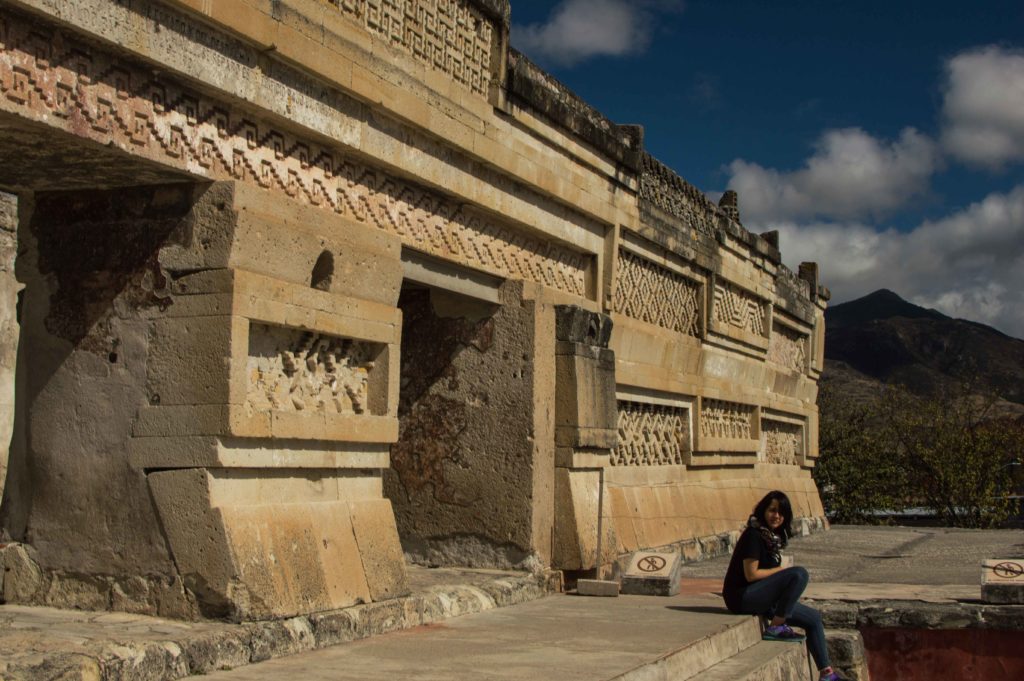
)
(774, 542)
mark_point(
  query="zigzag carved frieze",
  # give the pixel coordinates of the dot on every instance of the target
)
(46, 76)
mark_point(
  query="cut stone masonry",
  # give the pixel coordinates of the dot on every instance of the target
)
(312, 289)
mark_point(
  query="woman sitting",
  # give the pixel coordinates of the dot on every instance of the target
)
(757, 584)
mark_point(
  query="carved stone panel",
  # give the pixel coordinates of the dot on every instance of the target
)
(727, 420)
(734, 307)
(303, 371)
(449, 36)
(788, 348)
(783, 442)
(651, 293)
(651, 435)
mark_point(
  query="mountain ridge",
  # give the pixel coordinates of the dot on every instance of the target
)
(883, 338)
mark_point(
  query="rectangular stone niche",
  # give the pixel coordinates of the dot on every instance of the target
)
(298, 370)
(782, 439)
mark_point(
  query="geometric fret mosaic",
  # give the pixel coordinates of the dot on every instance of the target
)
(654, 294)
(651, 435)
(740, 309)
(729, 420)
(449, 36)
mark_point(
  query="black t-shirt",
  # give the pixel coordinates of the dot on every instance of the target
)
(750, 545)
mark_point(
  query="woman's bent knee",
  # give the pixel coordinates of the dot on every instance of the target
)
(798, 572)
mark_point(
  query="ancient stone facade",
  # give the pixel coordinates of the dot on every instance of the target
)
(315, 288)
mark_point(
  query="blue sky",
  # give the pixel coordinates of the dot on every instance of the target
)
(884, 140)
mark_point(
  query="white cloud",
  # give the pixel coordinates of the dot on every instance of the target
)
(983, 107)
(580, 29)
(969, 264)
(851, 175)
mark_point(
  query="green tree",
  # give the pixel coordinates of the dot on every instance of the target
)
(946, 452)
(958, 456)
(856, 472)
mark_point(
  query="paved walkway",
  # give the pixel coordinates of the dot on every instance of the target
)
(563, 636)
(912, 563)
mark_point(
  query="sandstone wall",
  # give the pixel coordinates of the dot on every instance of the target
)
(220, 349)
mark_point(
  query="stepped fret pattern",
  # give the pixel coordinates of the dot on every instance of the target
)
(47, 77)
(646, 291)
(651, 435)
(728, 420)
(784, 442)
(788, 348)
(660, 185)
(448, 36)
(739, 309)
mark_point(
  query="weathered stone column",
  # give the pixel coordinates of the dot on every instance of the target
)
(213, 390)
(585, 435)
(272, 401)
(9, 330)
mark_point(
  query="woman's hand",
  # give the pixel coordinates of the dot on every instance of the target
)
(754, 573)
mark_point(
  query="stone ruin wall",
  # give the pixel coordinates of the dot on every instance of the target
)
(374, 164)
(9, 330)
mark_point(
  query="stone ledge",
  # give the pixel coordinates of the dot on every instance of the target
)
(216, 647)
(910, 614)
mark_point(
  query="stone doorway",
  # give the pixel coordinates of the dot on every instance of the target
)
(466, 469)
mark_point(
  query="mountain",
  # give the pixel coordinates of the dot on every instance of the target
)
(882, 304)
(882, 338)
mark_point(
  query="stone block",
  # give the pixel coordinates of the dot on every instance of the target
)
(589, 438)
(23, 579)
(1002, 581)
(575, 531)
(597, 587)
(585, 390)
(190, 361)
(79, 592)
(651, 573)
(252, 555)
(377, 537)
(577, 325)
(233, 225)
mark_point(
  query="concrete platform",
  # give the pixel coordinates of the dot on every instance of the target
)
(563, 637)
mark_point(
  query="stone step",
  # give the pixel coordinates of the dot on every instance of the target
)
(697, 657)
(764, 661)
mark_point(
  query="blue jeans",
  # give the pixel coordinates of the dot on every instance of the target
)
(779, 596)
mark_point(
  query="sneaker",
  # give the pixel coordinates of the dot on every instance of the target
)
(833, 676)
(782, 632)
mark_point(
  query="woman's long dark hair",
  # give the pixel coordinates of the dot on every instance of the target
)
(785, 508)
